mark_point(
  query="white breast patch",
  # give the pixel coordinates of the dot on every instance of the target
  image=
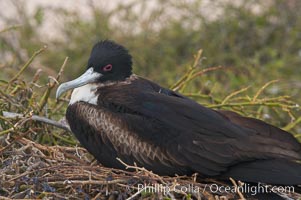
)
(85, 93)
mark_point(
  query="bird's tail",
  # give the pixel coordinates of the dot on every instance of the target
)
(273, 171)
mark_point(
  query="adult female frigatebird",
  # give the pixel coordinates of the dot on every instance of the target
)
(114, 113)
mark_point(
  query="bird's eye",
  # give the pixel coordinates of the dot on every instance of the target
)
(107, 68)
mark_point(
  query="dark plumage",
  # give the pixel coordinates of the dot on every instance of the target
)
(117, 114)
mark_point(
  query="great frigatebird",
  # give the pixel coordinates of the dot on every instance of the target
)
(114, 113)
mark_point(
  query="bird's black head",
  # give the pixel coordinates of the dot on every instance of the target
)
(111, 60)
(108, 61)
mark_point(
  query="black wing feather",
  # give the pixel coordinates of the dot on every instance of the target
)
(207, 141)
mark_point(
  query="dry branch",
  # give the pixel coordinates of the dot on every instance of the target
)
(39, 119)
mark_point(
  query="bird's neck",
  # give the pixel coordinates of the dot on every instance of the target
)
(88, 93)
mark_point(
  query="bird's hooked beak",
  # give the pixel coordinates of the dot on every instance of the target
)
(88, 77)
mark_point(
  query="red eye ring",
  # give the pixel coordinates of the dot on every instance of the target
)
(107, 68)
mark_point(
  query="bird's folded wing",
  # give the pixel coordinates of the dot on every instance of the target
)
(192, 134)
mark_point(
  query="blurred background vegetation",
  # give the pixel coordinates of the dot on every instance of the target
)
(254, 41)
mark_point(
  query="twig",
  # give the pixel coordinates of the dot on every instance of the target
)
(192, 75)
(62, 69)
(93, 182)
(140, 191)
(189, 73)
(51, 85)
(262, 88)
(27, 64)
(39, 119)
(141, 169)
(234, 93)
(237, 190)
(15, 126)
(21, 135)
(51, 122)
(206, 70)
(292, 124)
(36, 77)
(71, 142)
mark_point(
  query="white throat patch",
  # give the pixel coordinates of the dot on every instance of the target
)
(85, 93)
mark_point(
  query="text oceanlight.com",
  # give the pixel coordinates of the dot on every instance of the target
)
(218, 189)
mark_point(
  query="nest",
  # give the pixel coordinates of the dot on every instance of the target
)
(31, 170)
